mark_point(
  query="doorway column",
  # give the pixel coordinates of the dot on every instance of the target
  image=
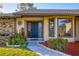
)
(46, 28)
(56, 27)
(73, 27)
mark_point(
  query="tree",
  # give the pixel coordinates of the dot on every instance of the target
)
(25, 6)
(1, 6)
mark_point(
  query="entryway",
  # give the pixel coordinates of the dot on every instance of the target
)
(35, 31)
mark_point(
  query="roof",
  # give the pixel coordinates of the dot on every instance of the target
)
(49, 12)
(4, 15)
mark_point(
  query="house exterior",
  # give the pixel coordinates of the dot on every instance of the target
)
(43, 24)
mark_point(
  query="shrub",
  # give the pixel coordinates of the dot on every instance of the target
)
(16, 52)
(17, 40)
(57, 44)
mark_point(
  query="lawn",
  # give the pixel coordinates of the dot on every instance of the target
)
(5, 51)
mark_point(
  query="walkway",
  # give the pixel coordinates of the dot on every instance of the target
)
(73, 49)
(42, 50)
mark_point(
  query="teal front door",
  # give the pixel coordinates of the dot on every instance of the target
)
(34, 30)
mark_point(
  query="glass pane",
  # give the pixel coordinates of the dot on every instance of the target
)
(29, 29)
(51, 28)
(65, 27)
(40, 29)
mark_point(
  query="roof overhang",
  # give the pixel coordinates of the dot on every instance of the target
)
(48, 12)
(42, 12)
(9, 15)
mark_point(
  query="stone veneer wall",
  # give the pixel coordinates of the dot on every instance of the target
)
(7, 25)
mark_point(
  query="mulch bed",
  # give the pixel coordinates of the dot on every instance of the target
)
(72, 49)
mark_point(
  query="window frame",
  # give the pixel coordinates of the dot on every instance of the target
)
(71, 27)
(52, 19)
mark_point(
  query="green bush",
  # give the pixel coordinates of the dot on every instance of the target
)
(16, 52)
(17, 40)
(57, 44)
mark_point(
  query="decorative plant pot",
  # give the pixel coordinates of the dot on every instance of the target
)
(12, 45)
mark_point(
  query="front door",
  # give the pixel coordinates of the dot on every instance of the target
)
(34, 30)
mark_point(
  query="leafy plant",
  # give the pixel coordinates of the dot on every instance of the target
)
(57, 44)
(17, 40)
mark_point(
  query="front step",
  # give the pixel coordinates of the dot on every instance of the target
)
(33, 43)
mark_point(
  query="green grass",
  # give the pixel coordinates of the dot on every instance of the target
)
(4, 51)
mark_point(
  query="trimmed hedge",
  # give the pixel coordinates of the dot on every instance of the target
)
(4, 51)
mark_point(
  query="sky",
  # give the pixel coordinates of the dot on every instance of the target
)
(11, 7)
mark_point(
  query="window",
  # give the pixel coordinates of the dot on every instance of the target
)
(51, 27)
(40, 30)
(65, 28)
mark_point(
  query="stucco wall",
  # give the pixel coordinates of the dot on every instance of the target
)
(19, 26)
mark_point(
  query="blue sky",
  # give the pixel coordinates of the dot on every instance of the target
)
(11, 7)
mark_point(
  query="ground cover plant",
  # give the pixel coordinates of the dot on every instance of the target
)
(4, 51)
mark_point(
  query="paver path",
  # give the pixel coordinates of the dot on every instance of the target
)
(36, 47)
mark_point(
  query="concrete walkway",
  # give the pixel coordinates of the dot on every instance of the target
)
(36, 47)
